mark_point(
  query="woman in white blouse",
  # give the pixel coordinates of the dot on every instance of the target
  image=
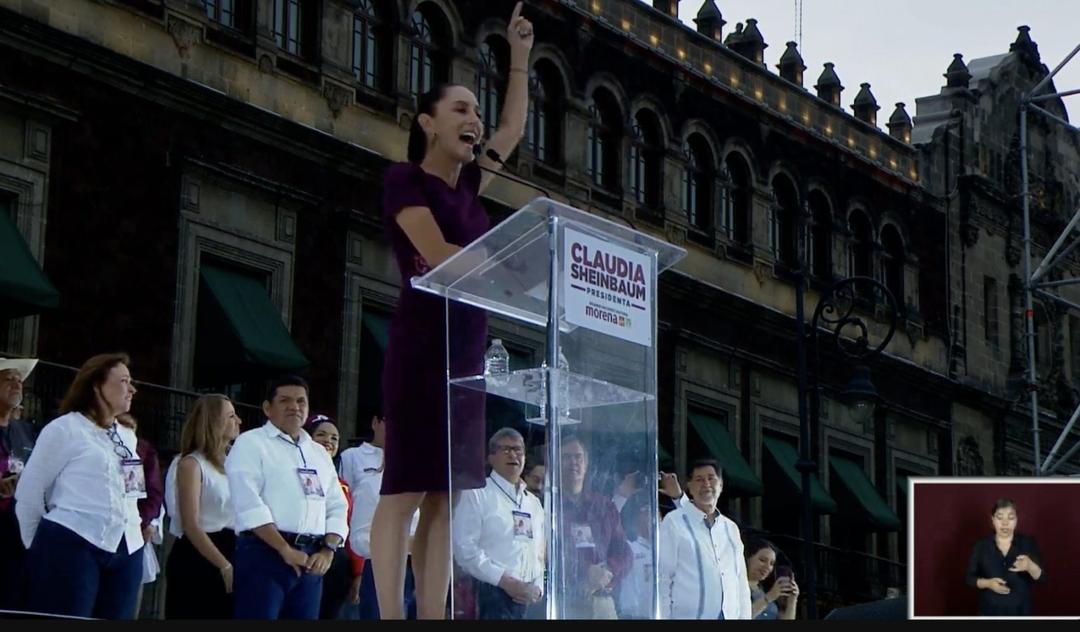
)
(76, 501)
(198, 572)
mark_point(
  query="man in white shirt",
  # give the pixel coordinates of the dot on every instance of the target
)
(291, 514)
(634, 599)
(362, 469)
(702, 571)
(365, 460)
(498, 533)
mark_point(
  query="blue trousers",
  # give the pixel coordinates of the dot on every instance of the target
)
(493, 602)
(265, 587)
(369, 598)
(69, 576)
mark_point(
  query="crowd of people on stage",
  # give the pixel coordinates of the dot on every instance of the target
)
(276, 522)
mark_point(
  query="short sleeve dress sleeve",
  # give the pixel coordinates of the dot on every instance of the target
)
(403, 187)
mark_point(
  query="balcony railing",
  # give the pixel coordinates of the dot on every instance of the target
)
(159, 410)
(845, 577)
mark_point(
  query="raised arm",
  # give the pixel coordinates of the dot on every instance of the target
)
(516, 109)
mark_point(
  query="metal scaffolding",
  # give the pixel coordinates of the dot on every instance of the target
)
(1056, 256)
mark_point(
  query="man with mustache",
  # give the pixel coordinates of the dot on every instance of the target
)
(702, 571)
(291, 514)
(499, 534)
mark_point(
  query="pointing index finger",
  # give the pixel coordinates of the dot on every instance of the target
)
(517, 12)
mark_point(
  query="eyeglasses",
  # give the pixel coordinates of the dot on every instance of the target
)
(119, 448)
(510, 449)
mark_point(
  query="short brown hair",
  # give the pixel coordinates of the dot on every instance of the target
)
(81, 397)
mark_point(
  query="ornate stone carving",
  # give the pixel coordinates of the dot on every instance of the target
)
(185, 34)
(969, 461)
(266, 64)
(676, 234)
(762, 271)
(338, 97)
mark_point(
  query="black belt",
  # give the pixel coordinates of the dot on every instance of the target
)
(295, 539)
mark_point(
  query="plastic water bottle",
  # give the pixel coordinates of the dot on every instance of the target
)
(496, 360)
(564, 387)
(564, 384)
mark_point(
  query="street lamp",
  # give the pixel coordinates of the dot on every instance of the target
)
(835, 316)
(860, 395)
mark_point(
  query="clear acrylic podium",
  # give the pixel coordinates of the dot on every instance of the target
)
(600, 484)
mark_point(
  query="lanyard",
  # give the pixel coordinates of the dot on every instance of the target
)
(517, 503)
(295, 444)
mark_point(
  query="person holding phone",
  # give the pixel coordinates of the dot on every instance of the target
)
(774, 593)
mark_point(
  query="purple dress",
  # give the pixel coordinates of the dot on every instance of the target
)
(414, 374)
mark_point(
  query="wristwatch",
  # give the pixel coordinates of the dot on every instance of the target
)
(332, 547)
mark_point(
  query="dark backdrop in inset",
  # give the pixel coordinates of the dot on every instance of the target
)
(950, 517)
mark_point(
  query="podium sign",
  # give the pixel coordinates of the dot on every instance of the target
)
(591, 284)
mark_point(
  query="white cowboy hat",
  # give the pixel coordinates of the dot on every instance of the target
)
(23, 365)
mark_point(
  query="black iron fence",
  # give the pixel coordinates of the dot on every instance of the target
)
(160, 410)
(846, 577)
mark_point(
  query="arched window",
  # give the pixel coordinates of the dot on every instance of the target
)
(785, 221)
(544, 133)
(893, 262)
(605, 130)
(296, 27)
(221, 11)
(428, 63)
(820, 242)
(646, 160)
(369, 47)
(861, 261)
(740, 198)
(491, 81)
(699, 186)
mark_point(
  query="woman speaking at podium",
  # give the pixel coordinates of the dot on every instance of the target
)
(432, 209)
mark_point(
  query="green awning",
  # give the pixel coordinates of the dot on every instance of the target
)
(738, 475)
(379, 328)
(252, 319)
(24, 288)
(664, 457)
(868, 501)
(784, 455)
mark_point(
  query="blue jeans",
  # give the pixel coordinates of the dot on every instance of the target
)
(265, 587)
(69, 576)
(369, 598)
(493, 602)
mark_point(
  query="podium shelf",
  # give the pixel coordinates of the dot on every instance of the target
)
(526, 386)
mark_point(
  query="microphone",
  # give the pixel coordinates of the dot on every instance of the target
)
(494, 156)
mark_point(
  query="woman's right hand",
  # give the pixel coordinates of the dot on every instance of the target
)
(780, 588)
(227, 577)
(997, 585)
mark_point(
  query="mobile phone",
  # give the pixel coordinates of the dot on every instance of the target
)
(785, 571)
